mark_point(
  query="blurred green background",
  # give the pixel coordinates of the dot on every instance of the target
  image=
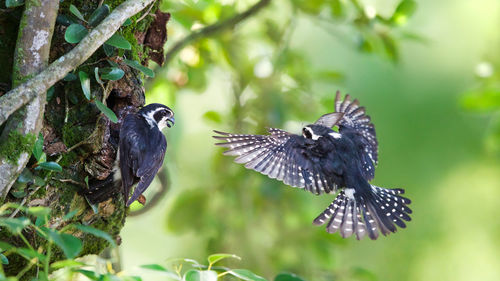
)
(428, 79)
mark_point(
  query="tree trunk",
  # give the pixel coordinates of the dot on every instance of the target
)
(76, 135)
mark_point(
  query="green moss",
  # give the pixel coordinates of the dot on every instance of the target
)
(16, 144)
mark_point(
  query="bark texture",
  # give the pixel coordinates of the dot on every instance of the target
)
(76, 134)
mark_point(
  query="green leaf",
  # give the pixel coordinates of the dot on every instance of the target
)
(51, 166)
(69, 77)
(39, 181)
(98, 15)
(119, 41)
(198, 275)
(26, 176)
(155, 267)
(85, 82)
(70, 215)
(15, 225)
(66, 264)
(96, 232)
(70, 245)
(31, 254)
(246, 274)
(13, 3)
(107, 111)
(159, 268)
(108, 50)
(113, 73)
(74, 11)
(404, 10)
(75, 33)
(140, 67)
(4, 246)
(50, 93)
(39, 211)
(89, 274)
(87, 181)
(127, 22)
(287, 277)
(64, 20)
(213, 116)
(96, 76)
(4, 259)
(38, 148)
(212, 259)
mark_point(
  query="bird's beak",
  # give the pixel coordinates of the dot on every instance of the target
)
(170, 121)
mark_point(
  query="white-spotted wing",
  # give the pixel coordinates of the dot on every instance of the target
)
(280, 155)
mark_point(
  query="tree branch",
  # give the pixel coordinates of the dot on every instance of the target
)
(214, 28)
(33, 91)
(16, 98)
(31, 56)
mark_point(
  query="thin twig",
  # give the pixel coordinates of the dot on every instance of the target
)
(214, 28)
(147, 12)
(19, 96)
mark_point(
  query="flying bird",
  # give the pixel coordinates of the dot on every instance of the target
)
(323, 160)
(141, 150)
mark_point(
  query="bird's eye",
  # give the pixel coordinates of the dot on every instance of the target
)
(306, 133)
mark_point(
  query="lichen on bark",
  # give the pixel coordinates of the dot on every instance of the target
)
(82, 140)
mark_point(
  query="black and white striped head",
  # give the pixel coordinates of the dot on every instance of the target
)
(322, 127)
(158, 115)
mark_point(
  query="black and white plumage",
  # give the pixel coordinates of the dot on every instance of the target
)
(141, 150)
(322, 160)
(142, 147)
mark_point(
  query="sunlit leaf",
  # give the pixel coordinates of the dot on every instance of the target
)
(107, 111)
(287, 277)
(87, 273)
(75, 33)
(246, 274)
(119, 41)
(212, 259)
(39, 211)
(140, 67)
(96, 232)
(404, 10)
(98, 15)
(66, 264)
(4, 246)
(155, 267)
(74, 10)
(15, 225)
(51, 166)
(85, 83)
(4, 259)
(198, 275)
(212, 116)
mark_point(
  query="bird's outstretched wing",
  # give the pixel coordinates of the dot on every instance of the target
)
(354, 118)
(282, 156)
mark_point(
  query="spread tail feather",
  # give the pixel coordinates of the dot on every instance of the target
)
(368, 213)
(102, 190)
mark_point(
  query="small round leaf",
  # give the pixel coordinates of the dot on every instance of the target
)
(75, 33)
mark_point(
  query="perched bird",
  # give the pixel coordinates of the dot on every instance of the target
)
(142, 147)
(322, 160)
(141, 150)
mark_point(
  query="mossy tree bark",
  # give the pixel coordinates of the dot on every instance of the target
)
(76, 134)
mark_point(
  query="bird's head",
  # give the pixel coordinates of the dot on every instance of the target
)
(158, 115)
(314, 132)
